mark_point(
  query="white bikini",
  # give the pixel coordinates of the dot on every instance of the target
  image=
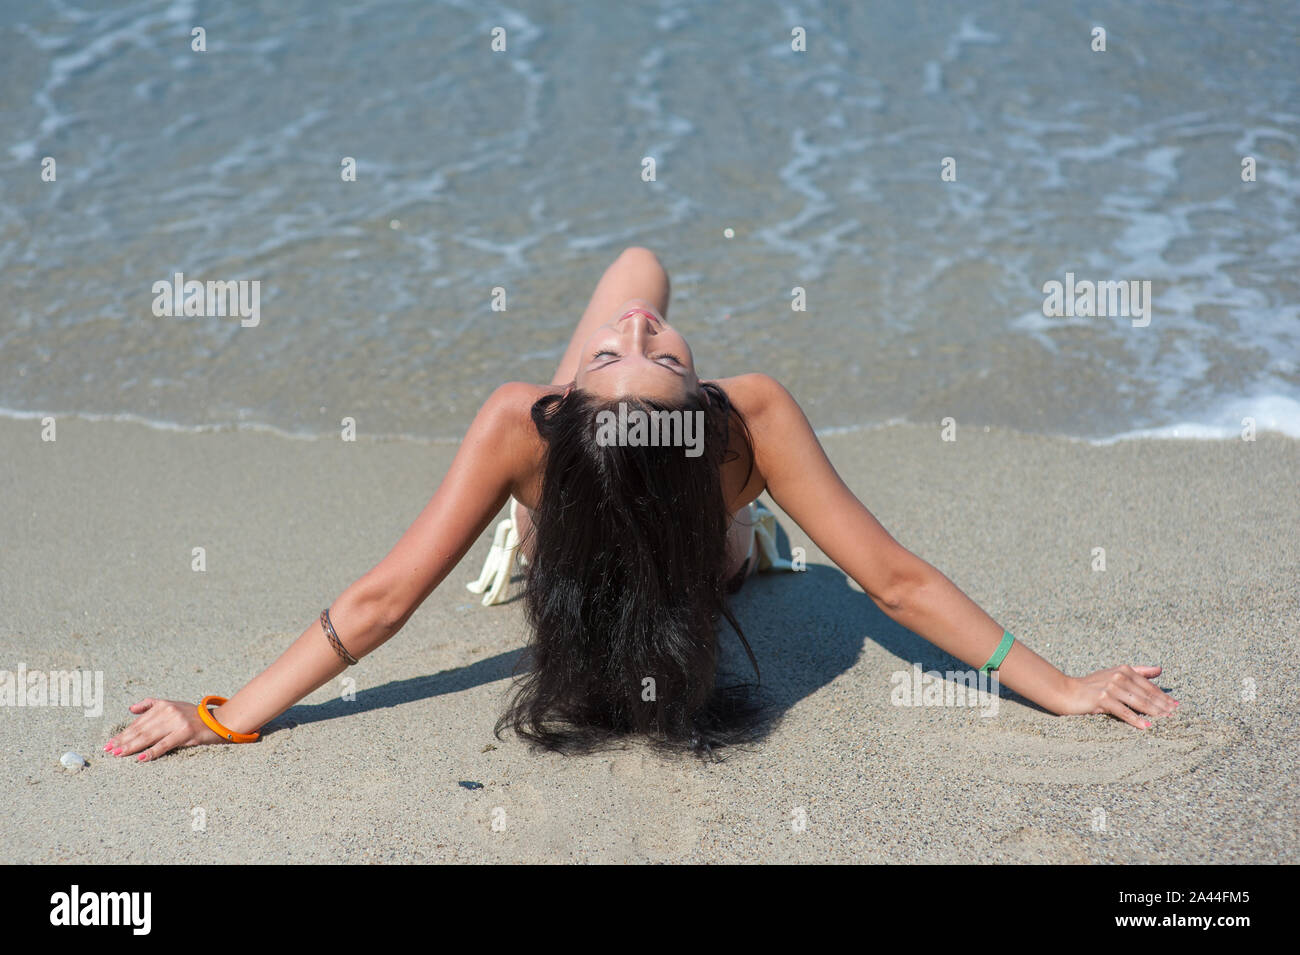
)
(494, 581)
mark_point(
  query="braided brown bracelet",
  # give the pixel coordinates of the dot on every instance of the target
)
(334, 637)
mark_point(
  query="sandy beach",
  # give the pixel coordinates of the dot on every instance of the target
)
(1202, 577)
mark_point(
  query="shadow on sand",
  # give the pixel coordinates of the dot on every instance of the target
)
(805, 629)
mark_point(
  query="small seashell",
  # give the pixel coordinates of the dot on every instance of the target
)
(71, 760)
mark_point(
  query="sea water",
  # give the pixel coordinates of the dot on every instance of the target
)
(866, 200)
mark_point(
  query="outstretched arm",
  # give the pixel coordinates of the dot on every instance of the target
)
(803, 482)
(491, 459)
(636, 277)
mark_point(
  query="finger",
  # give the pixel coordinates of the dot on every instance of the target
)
(1143, 695)
(1132, 686)
(165, 745)
(139, 708)
(1164, 699)
(1150, 687)
(141, 739)
(144, 725)
(1117, 708)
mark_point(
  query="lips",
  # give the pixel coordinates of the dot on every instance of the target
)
(641, 311)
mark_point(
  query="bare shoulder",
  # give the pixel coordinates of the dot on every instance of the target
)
(769, 412)
(513, 401)
(504, 428)
(755, 394)
(802, 481)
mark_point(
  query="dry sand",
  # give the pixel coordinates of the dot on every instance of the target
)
(1203, 567)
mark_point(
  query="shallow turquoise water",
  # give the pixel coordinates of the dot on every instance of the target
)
(522, 170)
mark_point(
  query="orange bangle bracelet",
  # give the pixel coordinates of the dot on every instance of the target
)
(217, 728)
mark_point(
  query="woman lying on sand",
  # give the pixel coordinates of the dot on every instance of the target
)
(631, 553)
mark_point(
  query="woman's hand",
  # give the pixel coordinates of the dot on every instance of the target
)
(1123, 691)
(160, 727)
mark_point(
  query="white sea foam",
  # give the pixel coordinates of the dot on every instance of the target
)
(1277, 413)
(520, 171)
(156, 424)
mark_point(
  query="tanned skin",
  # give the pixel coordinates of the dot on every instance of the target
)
(623, 345)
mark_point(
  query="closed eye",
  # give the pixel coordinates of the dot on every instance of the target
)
(606, 351)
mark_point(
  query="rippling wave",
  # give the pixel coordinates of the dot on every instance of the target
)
(521, 170)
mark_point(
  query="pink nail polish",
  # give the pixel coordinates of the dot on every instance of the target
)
(1148, 724)
(118, 751)
(140, 757)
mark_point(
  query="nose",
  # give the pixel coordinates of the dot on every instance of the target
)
(637, 329)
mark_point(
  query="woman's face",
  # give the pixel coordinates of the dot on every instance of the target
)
(637, 354)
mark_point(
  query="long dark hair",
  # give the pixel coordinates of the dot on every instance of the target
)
(626, 585)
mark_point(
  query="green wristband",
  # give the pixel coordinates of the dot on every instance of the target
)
(1000, 653)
